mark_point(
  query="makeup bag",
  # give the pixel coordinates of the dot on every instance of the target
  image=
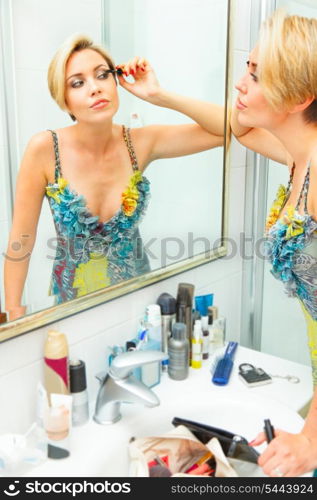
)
(182, 448)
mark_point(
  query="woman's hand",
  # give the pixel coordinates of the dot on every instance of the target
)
(16, 312)
(287, 455)
(145, 85)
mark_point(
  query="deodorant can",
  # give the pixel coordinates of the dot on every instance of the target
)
(178, 352)
(78, 389)
(56, 370)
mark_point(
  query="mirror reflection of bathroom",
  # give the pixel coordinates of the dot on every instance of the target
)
(171, 230)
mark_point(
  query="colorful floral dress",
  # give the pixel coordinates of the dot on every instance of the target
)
(291, 247)
(91, 254)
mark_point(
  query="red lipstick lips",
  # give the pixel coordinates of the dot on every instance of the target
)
(101, 103)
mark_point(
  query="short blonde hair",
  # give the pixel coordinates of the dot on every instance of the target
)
(288, 61)
(57, 68)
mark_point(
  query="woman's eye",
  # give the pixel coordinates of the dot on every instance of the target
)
(254, 77)
(76, 83)
(103, 75)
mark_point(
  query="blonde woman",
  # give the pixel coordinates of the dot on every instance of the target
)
(276, 115)
(92, 173)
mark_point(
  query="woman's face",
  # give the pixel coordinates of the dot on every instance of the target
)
(254, 110)
(90, 93)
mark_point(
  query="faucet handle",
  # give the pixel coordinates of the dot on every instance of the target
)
(124, 363)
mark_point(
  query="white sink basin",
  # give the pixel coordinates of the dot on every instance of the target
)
(103, 450)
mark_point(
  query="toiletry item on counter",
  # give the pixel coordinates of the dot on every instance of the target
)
(178, 352)
(216, 327)
(202, 302)
(151, 340)
(57, 424)
(153, 324)
(206, 342)
(56, 370)
(184, 306)
(151, 372)
(167, 304)
(20, 453)
(224, 367)
(196, 351)
(214, 311)
(78, 389)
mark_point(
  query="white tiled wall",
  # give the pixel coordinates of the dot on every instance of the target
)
(89, 333)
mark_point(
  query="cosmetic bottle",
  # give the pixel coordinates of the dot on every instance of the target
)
(151, 341)
(196, 352)
(56, 369)
(205, 339)
(178, 352)
(78, 389)
(57, 424)
(184, 306)
(217, 334)
(167, 304)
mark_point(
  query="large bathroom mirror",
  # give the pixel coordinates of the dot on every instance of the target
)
(187, 43)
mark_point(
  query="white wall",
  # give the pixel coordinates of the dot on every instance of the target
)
(89, 333)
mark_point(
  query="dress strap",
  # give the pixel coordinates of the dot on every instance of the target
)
(127, 140)
(304, 191)
(58, 168)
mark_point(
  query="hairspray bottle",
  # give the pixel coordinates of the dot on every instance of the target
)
(167, 304)
(184, 305)
(56, 369)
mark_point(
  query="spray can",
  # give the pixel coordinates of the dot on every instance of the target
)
(56, 367)
(167, 304)
(178, 352)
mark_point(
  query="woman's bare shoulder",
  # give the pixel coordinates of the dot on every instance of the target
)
(40, 143)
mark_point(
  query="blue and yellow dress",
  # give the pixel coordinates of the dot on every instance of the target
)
(91, 254)
(291, 246)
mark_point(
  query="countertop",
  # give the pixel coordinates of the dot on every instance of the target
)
(98, 450)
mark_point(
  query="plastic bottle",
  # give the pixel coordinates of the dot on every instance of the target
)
(151, 373)
(56, 366)
(196, 351)
(178, 352)
(217, 332)
(78, 389)
(205, 339)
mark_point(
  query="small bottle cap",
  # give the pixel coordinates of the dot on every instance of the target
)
(179, 331)
(167, 303)
(130, 345)
(77, 375)
(204, 322)
(56, 345)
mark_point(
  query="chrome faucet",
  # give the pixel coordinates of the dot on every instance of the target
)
(120, 386)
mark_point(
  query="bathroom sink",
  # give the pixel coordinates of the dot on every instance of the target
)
(99, 450)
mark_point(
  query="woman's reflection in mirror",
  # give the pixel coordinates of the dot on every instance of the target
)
(92, 172)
